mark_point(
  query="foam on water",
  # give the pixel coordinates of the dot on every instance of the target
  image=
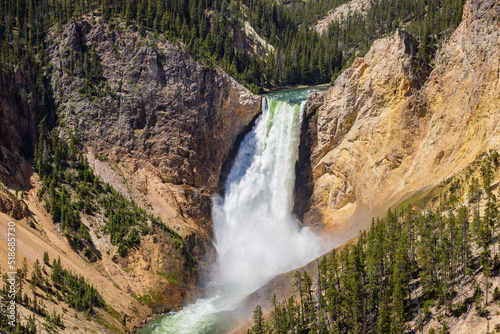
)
(256, 235)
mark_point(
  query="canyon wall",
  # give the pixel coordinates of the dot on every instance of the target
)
(387, 130)
(164, 122)
(155, 124)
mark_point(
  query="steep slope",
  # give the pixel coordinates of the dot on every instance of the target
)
(157, 126)
(164, 123)
(385, 131)
(341, 13)
(32, 240)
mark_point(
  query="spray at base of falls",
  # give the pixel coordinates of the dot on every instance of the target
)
(256, 235)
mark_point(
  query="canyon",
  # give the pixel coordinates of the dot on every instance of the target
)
(163, 130)
(387, 130)
(161, 135)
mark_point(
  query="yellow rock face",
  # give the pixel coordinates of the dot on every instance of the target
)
(385, 132)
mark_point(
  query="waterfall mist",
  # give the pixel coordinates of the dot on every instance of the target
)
(256, 235)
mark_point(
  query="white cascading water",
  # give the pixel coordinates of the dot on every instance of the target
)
(256, 235)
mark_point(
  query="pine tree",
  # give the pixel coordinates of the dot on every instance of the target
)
(384, 315)
(399, 294)
(258, 327)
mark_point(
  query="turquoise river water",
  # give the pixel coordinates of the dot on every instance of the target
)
(256, 235)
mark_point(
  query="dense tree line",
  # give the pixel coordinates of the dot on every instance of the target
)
(402, 266)
(304, 57)
(77, 293)
(301, 56)
(429, 20)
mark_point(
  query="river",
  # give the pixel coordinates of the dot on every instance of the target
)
(256, 234)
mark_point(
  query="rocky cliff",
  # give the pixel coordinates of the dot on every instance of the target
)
(386, 131)
(155, 124)
(156, 103)
(341, 13)
(164, 122)
(159, 127)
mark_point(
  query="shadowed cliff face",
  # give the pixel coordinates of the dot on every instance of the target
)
(386, 132)
(19, 104)
(167, 123)
(160, 105)
(303, 168)
(156, 125)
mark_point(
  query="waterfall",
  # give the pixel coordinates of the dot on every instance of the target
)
(256, 235)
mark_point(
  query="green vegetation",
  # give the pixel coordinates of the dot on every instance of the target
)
(179, 244)
(46, 258)
(60, 285)
(406, 263)
(70, 188)
(172, 277)
(74, 290)
(151, 297)
(205, 27)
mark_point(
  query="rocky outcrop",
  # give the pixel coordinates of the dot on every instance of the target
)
(365, 129)
(246, 38)
(385, 132)
(158, 127)
(341, 13)
(20, 111)
(12, 206)
(160, 105)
